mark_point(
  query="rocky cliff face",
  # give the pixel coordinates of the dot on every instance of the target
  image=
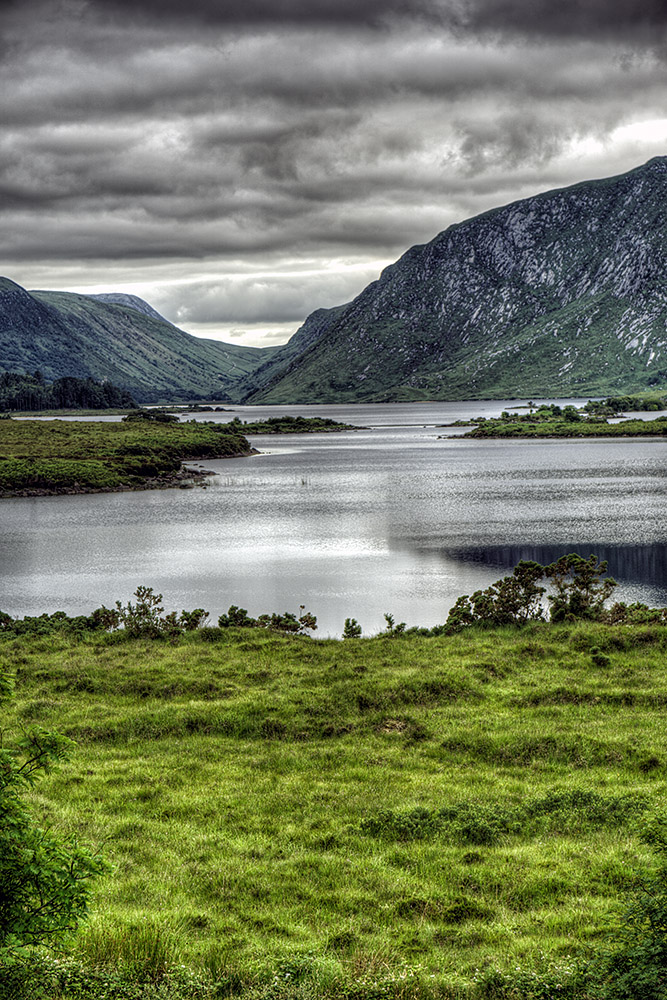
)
(564, 293)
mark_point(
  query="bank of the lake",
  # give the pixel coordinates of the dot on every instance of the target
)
(398, 817)
(44, 458)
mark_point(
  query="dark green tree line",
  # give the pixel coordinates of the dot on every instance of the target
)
(31, 392)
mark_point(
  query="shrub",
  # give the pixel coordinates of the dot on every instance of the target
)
(288, 622)
(391, 627)
(636, 966)
(45, 881)
(145, 618)
(513, 600)
(580, 590)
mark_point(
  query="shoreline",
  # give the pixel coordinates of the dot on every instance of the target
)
(184, 479)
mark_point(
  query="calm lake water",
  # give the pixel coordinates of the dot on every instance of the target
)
(390, 518)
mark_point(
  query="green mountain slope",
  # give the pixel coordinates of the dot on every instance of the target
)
(62, 333)
(289, 356)
(560, 294)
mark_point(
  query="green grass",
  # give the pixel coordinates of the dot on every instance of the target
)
(56, 455)
(298, 817)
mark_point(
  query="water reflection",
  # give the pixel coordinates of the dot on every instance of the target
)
(638, 564)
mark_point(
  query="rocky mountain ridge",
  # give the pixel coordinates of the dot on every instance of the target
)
(564, 293)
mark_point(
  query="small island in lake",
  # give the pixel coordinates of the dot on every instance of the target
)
(590, 420)
(143, 451)
(292, 425)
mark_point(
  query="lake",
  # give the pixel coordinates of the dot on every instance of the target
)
(393, 518)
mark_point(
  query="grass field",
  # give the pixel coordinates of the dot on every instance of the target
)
(412, 816)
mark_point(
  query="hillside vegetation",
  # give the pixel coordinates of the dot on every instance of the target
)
(401, 816)
(24, 393)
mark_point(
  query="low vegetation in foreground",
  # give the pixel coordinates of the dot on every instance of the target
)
(590, 420)
(59, 456)
(473, 814)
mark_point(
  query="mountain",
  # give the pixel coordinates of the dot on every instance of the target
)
(125, 341)
(560, 294)
(133, 301)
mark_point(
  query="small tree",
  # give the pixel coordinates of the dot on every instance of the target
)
(351, 629)
(580, 590)
(512, 600)
(145, 618)
(236, 618)
(391, 627)
(44, 881)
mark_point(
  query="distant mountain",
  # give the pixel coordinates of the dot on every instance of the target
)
(133, 301)
(289, 355)
(62, 333)
(561, 294)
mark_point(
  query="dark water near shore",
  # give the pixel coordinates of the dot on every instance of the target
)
(391, 518)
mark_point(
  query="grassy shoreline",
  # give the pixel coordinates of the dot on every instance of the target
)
(402, 817)
(549, 420)
(556, 429)
(40, 458)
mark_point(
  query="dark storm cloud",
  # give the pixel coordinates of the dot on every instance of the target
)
(566, 18)
(175, 134)
(593, 19)
(633, 22)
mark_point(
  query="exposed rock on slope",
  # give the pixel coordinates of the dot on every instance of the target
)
(564, 293)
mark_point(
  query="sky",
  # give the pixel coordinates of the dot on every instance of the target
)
(240, 163)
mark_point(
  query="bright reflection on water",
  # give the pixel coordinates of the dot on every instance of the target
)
(391, 518)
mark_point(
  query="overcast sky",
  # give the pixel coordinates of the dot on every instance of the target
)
(239, 163)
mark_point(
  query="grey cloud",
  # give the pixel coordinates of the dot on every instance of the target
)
(277, 129)
(537, 18)
(372, 13)
(636, 20)
(510, 141)
(259, 299)
(271, 76)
